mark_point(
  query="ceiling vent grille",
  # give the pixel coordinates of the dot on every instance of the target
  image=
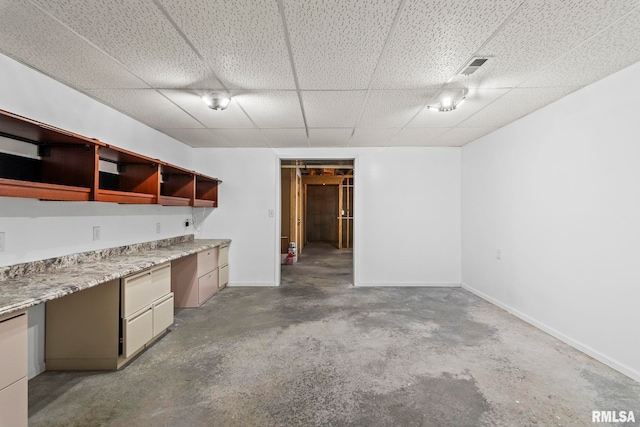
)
(473, 65)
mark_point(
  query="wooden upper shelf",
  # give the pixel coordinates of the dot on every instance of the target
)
(73, 167)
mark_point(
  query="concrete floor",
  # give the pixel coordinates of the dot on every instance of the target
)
(317, 351)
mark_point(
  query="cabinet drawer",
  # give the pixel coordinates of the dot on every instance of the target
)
(223, 259)
(13, 349)
(223, 276)
(161, 281)
(207, 286)
(13, 404)
(137, 331)
(136, 293)
(207, 261)
(162, 314)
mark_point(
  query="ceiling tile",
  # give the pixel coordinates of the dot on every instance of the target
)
(242, 40)
(433, 39)
(336, 44)
(271, 109)
(333, 108)
(515, 104)
(243, 137)
(457, 137)
(393, 108)
(417, 137)
(191, 102)
(198, 137)
(371, 137)
(49, 47)
(137, 34)
(613, 49)
(540, 32)
(147, 106)
(329, 137)
(284, 138)
(476, 100)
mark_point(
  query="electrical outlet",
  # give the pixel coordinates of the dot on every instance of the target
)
(96, 232)
(499, 253)
(158, 228)
(2, 242)
(271, 213)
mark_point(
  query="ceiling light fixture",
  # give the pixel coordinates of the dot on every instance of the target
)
(447, 102)
(217, 100)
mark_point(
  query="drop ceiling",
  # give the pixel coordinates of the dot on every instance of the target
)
(330, 73)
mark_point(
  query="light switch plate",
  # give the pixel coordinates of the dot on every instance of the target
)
(2, 242)
(158, 228)
(96, 232)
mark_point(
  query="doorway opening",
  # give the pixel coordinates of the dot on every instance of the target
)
(317, 222)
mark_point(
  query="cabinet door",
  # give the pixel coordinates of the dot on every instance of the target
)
(161, 281)
(207, 286)
(224, 276)
(14, 405)
(207, 261)
(13, 349)
(137, 331)
(162, 314)
(136, 293)
(223, 259)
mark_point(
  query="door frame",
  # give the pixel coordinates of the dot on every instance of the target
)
(356, 209)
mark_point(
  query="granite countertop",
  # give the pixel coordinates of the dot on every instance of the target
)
(73, 273)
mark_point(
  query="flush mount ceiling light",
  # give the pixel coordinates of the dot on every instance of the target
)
(449, 102)
(217, 100)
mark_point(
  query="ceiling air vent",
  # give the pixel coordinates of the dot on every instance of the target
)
(473, 66)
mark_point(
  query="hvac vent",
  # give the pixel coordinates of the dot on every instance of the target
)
(473, 66)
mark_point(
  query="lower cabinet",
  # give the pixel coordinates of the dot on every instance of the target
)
(194, 278)
(103, 327)
(223, 266)
(13, 370)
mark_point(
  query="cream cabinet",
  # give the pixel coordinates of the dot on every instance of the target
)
(13, 370)
(195, 278)
(103, 327)
(223, 266)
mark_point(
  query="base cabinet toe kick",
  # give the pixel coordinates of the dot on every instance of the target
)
(111, 322)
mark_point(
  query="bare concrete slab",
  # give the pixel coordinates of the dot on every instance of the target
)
(317, 351)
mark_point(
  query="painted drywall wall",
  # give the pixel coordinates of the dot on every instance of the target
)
(43, 229)
(407, 212)
(557, 193)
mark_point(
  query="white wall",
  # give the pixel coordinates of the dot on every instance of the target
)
(407, 212)
(42, 229)
(557, 192)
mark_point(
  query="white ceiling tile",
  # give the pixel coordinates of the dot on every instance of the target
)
(329, 137)
(540, 32)
(372, 137)
(457, 137)
(137, 34)
(282, 138)
(243, 137)
(515, 104)
(476, 100)
(271, 109)
(332, 108)
(147, 106)
(242, 40)
(336, 44)
(34, 38)
(393, 108)
(613, 49)
(191, 102)
(198, 137)
(417, 137)
(433, 39)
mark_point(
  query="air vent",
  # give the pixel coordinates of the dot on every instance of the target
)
(473, 66)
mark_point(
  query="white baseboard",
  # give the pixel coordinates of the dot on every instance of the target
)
(408, 285)
(249, 284)
(36, 370)
(612, 363)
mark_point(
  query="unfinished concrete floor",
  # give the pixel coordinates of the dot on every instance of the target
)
(317, 351)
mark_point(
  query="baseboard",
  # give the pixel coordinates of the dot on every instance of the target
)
(408, 285)
(612, 363)
(36, 370)
(249, 284)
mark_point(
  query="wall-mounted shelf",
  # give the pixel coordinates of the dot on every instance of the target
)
(48, 163)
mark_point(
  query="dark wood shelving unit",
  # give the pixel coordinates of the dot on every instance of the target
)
(67, 167)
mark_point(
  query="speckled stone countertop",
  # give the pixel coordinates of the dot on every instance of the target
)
(25, 285)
